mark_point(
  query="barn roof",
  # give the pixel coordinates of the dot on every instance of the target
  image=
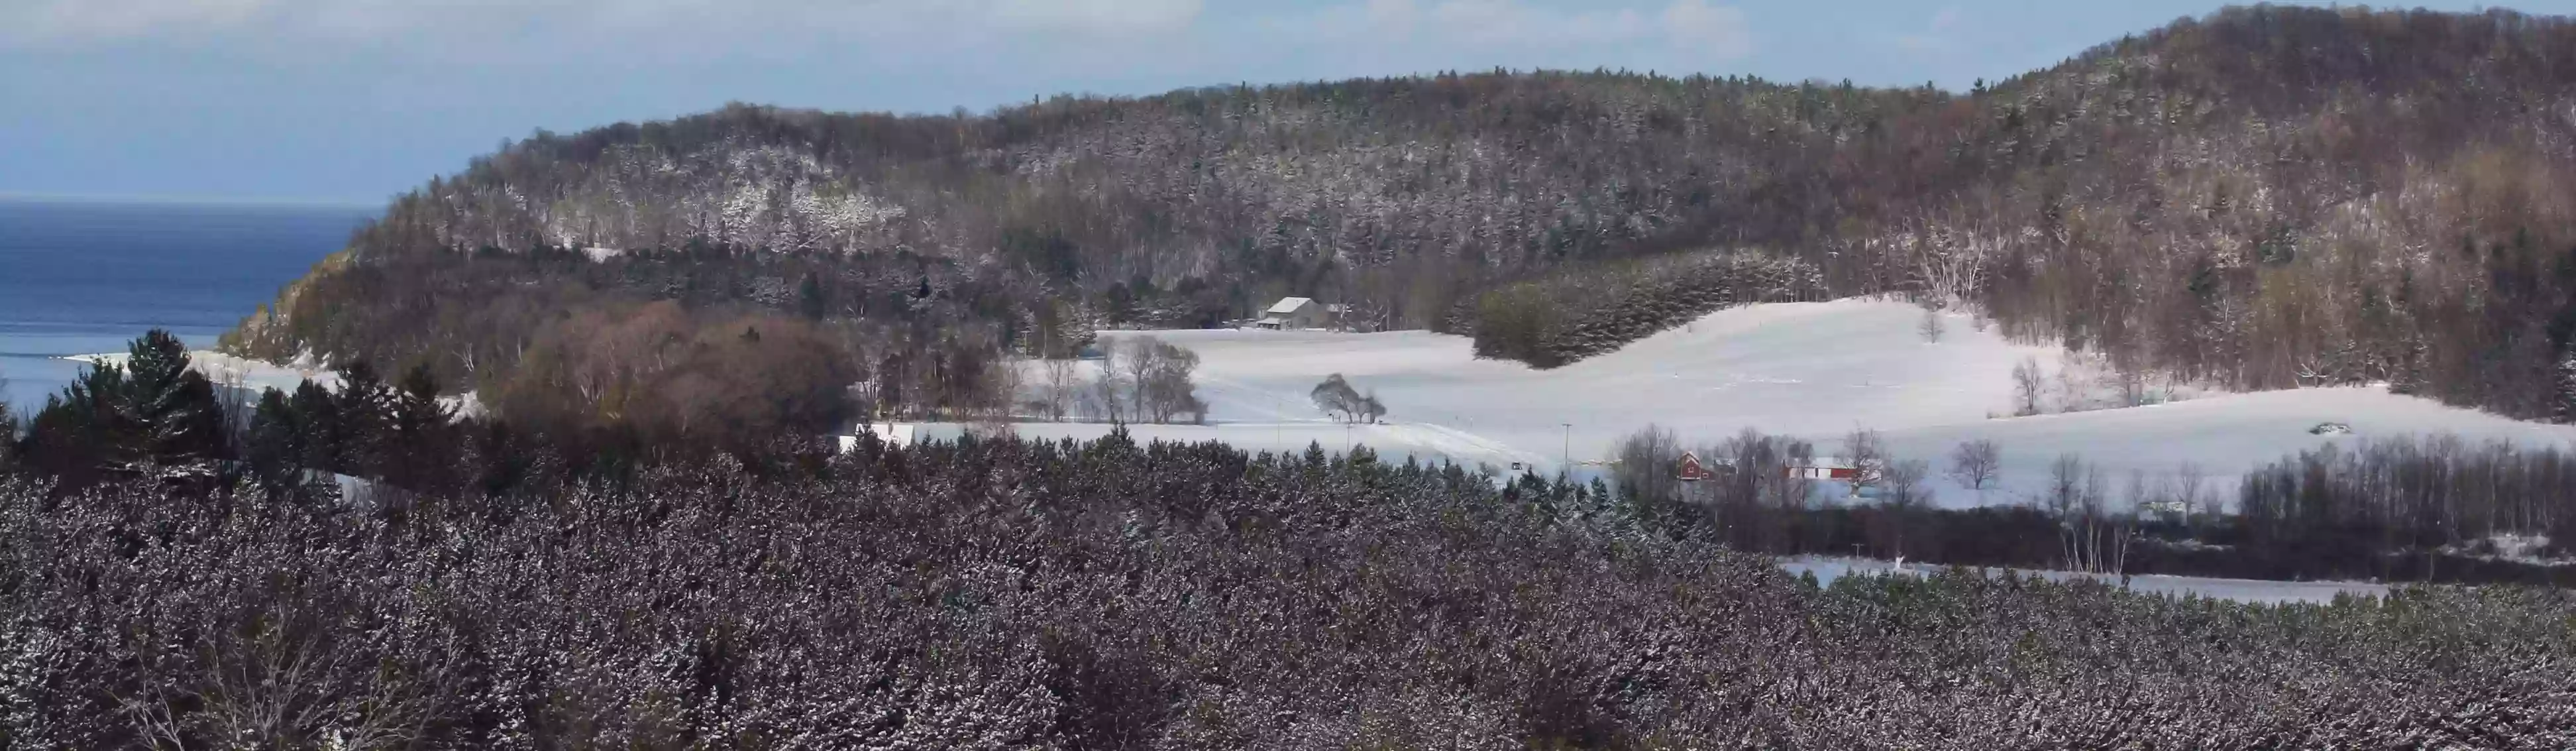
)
(1289, 305)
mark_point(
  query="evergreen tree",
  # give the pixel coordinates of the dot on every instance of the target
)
(417, 446)
(364, 406)
(174, 405)
(317, 425)
(274, 447)
(151, 415)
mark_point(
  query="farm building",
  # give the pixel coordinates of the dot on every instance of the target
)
(1293, 313)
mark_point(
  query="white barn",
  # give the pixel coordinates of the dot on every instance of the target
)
(1296, 313)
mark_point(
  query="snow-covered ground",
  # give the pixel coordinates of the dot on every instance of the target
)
(227, 370)
(1814, 370)
(2240, 590)
(253, 376)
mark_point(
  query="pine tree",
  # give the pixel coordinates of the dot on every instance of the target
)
(417, 445)
(274, 447)
(363, 407)
(151, 415)
(173, 405)
(317, 423)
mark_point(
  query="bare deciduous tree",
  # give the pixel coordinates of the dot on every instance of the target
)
(1062, 381)
(2028, 382)
(1867, 452)
(1109, 395)
(1974, 463)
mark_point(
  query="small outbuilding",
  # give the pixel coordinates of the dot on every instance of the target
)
(1294, 313)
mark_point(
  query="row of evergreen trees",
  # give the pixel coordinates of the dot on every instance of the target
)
(151, 416)
(1578, 313)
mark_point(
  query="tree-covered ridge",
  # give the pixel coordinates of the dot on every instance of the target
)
(2266, 197)
(1177, 210)
(1007, 594)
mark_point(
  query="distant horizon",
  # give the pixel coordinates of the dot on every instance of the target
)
(192, 200)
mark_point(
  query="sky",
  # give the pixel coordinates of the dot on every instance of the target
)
(354, 101)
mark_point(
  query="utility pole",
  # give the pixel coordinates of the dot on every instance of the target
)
(1565, 463)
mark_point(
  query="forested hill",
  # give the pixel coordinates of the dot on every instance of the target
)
(2265, 197)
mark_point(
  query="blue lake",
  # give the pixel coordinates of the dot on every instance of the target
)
(80, 276)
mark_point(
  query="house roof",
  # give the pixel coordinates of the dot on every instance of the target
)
(1290, 304)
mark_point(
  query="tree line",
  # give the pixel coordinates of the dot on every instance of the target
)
(1015, 594)
(2431, 509)
(1573, 314)
(1140, 379)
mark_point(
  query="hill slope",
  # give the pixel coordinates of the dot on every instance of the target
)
(2264, 198)
(1815, 371)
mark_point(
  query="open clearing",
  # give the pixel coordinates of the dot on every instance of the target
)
(1813, 370)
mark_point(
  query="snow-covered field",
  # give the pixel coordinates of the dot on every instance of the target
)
(2240, 590)
(1814, 370)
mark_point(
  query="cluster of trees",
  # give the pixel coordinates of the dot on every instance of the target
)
(1139, 379)
(1337, 398)
(401, 432)
(1577, 313)
(2405, 506)
(671, 376)
(147, 415)
(1115, 595)
(2428, 510)
(615, 395)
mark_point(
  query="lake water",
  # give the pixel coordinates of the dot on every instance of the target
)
(84, 276)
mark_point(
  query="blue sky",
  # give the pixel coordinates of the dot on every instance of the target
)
(356, 100)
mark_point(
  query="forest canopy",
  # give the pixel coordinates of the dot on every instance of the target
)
(2266, 197)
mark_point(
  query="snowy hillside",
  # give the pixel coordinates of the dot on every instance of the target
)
(1815, 370)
